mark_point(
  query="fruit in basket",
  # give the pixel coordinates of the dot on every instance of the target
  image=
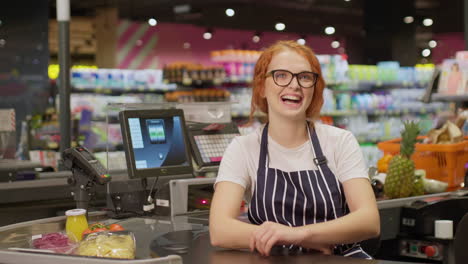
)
(382, 164)
(400, 175)
(418, 187)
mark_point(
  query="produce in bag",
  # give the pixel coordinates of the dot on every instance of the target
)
(56, 242)
(108, 244)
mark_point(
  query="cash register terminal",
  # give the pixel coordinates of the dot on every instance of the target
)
(155, 143)
(156, 151)
(159, 178)
(209, 141)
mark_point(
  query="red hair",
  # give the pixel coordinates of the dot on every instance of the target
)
(260, 103)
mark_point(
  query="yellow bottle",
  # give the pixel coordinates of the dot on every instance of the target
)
(76, 224)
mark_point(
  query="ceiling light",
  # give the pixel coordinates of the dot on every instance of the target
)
(187, 45)
(301, 41)
(347, 0)
(426, 52)
(335, 44)
(181, 9)
(207, 35)
(230, 12)
(329, 30)
(408, 19)
(432, 44)
(280, 26)
(152, 22)
(428, 22)
(256, 38)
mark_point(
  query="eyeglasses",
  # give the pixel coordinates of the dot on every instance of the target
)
(283, 78)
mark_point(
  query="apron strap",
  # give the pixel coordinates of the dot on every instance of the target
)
(263, 150)
(320, 159)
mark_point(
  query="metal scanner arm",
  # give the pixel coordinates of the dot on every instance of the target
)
(86, 172)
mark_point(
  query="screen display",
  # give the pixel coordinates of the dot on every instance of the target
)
(157, 142)
(156, 131)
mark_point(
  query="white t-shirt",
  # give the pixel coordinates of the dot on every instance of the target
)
(240, 160)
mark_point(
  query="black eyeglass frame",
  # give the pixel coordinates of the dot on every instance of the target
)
(294, 75)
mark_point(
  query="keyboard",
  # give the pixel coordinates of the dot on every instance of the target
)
(208, 146)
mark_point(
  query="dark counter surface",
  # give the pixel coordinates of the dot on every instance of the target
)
(164, 236)
(199, 250)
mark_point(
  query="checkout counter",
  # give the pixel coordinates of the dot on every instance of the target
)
(180, 239)
(167, 239)
(175, 230)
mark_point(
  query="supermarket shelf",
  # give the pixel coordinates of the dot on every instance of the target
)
(237, 80)
(383, 112)
(366, 86)
(118, 91)
(450, 98)
(244, 114)
(228, 81)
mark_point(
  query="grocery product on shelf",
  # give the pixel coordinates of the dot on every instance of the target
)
(98, 103)
(198, 95)
(185, 73)
(334, 68)
(454, 75)
(370, 153)
(390, 71)
(395, 101)
(238, 64)
(241, 98)
(119, 80)
(54, 69)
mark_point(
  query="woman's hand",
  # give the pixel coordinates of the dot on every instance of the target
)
(269, 234)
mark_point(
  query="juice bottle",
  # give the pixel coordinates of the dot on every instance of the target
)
(76, 224)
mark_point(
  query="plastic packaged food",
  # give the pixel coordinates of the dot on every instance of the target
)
(434, 186)
(108, 244)
(56, 242)
(76, 224)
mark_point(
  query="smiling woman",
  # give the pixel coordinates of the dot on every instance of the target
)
(285, 51)
(306, 183)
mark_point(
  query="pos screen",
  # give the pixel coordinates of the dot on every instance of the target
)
(155, 142)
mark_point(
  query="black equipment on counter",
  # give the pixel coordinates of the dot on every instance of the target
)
(417, 238)
(461, 240)
(156, 151)
(87, 171)
(19, 170)
(209, 141)
(155, 142)
(418, 217)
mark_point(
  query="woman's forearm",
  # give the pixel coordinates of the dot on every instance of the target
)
(231, 233)
(354, 227)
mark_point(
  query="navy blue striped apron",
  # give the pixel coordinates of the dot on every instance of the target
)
(301, 197)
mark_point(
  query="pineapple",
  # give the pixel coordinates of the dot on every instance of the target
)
(400, 175)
